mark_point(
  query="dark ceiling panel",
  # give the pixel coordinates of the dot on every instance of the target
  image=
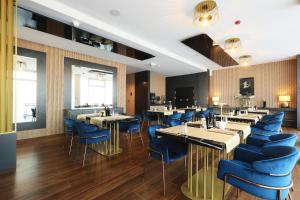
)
(203, 44)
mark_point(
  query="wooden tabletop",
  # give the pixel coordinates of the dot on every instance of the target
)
(260, 111)
(167, 112)
(243, 117)
(195, 109)
(98, 120)
(229, 139)
(244, 129)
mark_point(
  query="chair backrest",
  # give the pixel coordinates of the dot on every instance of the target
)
(174, 122)
(85, 128)
(33, 112)
(204, 113)
(151, 132)
(276, 117)
(138, 117)
(281, 160)
(175, 116)
(284, 139)
(146, 116)
(70, 123)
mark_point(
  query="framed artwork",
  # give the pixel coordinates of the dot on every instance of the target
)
(247, 86)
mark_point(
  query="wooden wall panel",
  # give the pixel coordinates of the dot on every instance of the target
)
(270, 81)
(55, 86)
(130, 94)
(158, 84)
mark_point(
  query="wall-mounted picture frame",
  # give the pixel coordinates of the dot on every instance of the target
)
(247, 86)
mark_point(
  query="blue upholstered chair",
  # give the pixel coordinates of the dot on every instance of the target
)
(146, 118)
(135, 128)
(174, 122)
(256, 144)
(204, 113)
(273, 117)
(124, 125)
(284, 139)
(187, 117)
(164, 149)
(265, 175)
(90, 134)
(69, 125)
(175, 116)
(268, 125)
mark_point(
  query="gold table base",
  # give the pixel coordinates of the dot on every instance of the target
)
(111, 147)
(104, 150)
(217, 186)
(202, 180)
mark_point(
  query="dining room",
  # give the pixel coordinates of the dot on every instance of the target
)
(110, 100)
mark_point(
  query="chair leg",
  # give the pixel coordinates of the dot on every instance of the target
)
(141, 138)
(237, 193)
(142, 125)
(163, 174)
(224, 187)
(278, 195)
(84, 154)
(147, 163)
(130, 141)
(185, 158)
(71, 143)
(290, 196)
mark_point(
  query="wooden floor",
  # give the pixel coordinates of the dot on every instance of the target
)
(45, 171)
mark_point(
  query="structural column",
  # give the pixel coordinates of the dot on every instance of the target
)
(6, 65)
(8, 29)
(298, 91)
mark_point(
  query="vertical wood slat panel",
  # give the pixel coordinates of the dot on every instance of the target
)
(55, 82)
(270, 81)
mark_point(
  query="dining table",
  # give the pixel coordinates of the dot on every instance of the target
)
(108, 122)
(251, 118)
(164, 112)
(206, 147)
(243, 129)
(259, 111)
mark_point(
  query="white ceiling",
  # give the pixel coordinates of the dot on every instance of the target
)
(269, 30)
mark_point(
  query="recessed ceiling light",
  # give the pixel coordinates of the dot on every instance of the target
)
(153, 64)
(76, 23)
(115, 13)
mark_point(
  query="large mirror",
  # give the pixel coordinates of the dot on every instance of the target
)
(29, 89)
(88, 85)
(25, 84)
(91, 87)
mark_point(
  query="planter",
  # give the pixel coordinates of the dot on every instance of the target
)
(7, 151)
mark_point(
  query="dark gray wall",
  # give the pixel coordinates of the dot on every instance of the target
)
(200, 82)
(298, 91)
(68, 62)
(7, 151)
(142, 91)
(40, 90)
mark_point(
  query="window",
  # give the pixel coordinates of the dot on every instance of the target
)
(91, 87)
(25, 85)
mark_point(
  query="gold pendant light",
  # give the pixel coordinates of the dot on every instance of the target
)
(232, 45)
(245, 60)
(206, 12)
